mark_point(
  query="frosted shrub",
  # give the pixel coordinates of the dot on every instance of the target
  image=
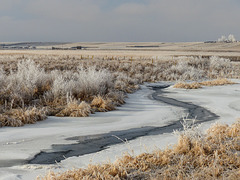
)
(192, 73)
(2, 76)
(182, 66)
(121, 81)
(199, 62)
(2, 80)
(176, 71)
(156, 70)
(139, 77)
(83, 83)
(186, 68)
(63, 83)
(139, 67)
(3, 94)
(220, 67)
(147, 69)
(121, 77)
(26, 81)
(120, 85)
(124, 66)
(124, 82)
(195, 68)
(219, 63)
(147, 76)
(94, 82)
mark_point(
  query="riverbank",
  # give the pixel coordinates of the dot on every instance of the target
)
(23, 143)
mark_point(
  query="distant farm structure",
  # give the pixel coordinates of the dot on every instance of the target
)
(229, 39)
(224, 39)
(71, 48)
(29, 45)
(4, 46)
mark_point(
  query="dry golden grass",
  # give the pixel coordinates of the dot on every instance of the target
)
(215, 155)
(102, 104)
(197, 85)
(194, 85)
(217, 82)
(75, 109)
(19, 117)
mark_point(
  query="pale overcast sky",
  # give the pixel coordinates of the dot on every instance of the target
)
(118, 20)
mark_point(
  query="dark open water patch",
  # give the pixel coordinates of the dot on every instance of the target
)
(99, 142)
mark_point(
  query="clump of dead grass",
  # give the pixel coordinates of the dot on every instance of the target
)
(194, 85)
(217, 82)
(75, 108)
(19, 117)
(197, 85)
(214, 155)
(102, 104)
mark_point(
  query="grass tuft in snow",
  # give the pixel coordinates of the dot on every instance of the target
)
(102, 104)
(19, 117)
(75, 108)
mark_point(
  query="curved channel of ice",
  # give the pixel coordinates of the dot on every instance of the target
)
(22, 143)
(18, 144)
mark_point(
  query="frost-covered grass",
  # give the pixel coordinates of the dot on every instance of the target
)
(74, 86)
(197, 155)
(60, 92)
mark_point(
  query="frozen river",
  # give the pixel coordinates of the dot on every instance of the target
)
(146, 121)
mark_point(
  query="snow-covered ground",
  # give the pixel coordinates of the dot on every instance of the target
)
(221, 100)
(17, 144)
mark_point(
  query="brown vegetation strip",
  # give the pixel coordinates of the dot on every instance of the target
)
(197, 85)
(214, 155)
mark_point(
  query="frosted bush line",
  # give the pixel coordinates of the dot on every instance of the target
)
(26, 83)
(30, 82)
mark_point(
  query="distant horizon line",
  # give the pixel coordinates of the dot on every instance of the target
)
(103, 41)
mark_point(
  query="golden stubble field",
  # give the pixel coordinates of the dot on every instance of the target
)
(138, 50)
